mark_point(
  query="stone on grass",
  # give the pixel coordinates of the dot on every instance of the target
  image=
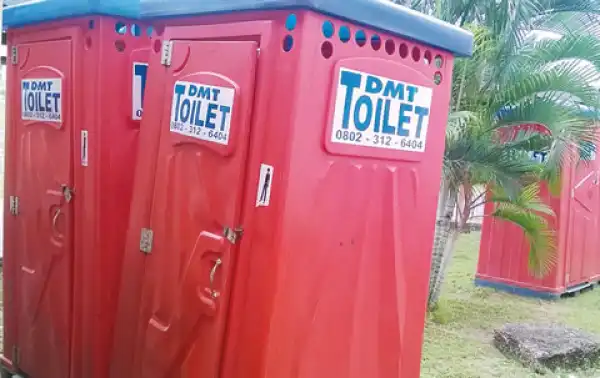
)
(546, 347)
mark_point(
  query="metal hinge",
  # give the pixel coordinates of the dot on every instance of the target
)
(233, 235)
(14, 55)
(16, 356)
(146, 239)
(166, 53)
(14, 205)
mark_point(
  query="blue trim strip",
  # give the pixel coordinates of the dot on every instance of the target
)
(33, 12)
(379, 14)
(521, 291)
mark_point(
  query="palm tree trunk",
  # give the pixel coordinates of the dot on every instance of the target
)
(446, 234)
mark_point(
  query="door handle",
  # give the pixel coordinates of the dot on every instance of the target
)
(213, 272)
(55, 217)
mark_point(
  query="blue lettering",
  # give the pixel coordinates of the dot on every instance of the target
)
(394, 90)
(197, 120)
(378, 114)
(216, 93)
(30, 101)
(56, 97)
(422, 113)
(48, 103)
(412, 91)
(49, 86)
(366, 101)
(179, 90)
(374, 85)
(26, 85)
(193, 90)
(38, 102)
(186, 108)
(387, 128)
(195, 107)
(351, 81)
(225, 110)
(404, 119)
(211, 115)
(204, 93)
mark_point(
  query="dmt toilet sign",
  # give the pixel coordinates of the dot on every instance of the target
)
(376, 111)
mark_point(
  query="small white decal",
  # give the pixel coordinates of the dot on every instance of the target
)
(140, 73)
(265, 182)
(41, 100)
(202, 111)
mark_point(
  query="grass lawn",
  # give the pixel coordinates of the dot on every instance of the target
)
(458, 337)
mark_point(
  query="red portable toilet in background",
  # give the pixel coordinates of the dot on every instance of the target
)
(72, 129)
(285, 200)
(504, 250)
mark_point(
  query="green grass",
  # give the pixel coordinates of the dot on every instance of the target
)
(458, 336)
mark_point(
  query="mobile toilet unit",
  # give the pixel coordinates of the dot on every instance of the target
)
(504, 250)
(285, 198)
(71, 142)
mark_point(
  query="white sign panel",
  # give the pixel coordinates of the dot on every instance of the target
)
(375, 111)
(263, 196)
(41, 100)
(202, 111)
(138, 87)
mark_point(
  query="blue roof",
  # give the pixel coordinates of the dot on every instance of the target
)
(379, 14)
(23, 12)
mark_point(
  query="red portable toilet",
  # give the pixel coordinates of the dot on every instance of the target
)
(285, 199)
(504, 250)
(71, 143)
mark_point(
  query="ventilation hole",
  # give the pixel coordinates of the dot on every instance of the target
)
(157, 46)
(91, 24)
(361, 38)
(136, 31)
(416, 54)
(437, 78)
(149, 31)
(439, 61)
(291, 22)
(120, 45)
(390, 46)
(345, 34)
(327, 49)
(403, 50)
(427, 57)
(120, 28)
(288, 43)
(328, 29)
(88, 42)
(376, 42)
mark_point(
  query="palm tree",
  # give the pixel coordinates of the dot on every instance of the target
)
(515, 78)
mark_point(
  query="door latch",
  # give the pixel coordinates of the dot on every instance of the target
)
(67, 193)
(233, 234)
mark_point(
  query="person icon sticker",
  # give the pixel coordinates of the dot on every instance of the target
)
(264, 185)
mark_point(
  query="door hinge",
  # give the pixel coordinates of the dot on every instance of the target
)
(166, 53)
(16, 356)
(14, 205)
(146, 239)
(233, 235)
(14, 55)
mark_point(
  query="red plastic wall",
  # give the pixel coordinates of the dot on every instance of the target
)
(503, 256)
(330, 279)
(60, 303)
